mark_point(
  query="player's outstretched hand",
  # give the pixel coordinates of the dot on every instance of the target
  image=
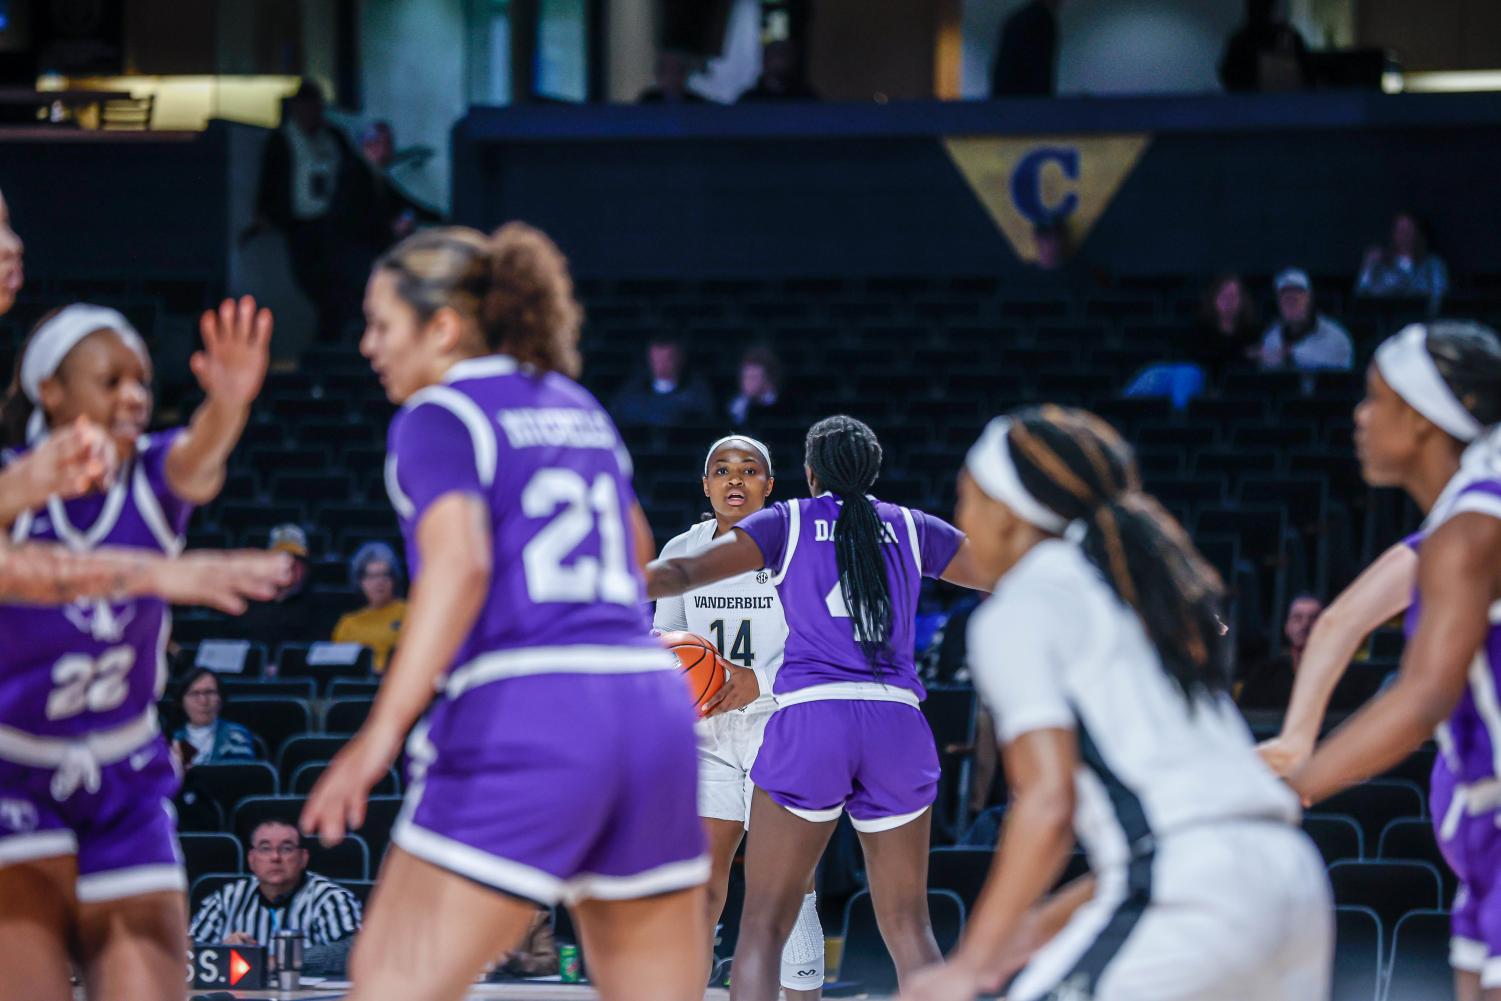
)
(337, 803)
(944, 982)
(222, 580)
(1285, 755)
(236, 351)
(740, 689)
(76, 460)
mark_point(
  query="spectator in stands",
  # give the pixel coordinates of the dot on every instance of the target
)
(673, 69)
(1270, 685)
(1406, 268)
(376, 571)
(1026, 57)
(290, 616)
(1228, 334)
(281, 893)
(783, 75)
(760, 389)
(316, 190)
(206, 737)
(1266, 53)
(402, 212)
(663, 396)
(536, 956)
(12, 253)
(1302, 337)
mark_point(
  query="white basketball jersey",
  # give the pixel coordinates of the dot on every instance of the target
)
(742, 616)
(1054, 647)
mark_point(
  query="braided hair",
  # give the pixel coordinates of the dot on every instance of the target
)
(1075, 464)
(845, 457)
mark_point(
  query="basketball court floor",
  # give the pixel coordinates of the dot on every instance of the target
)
(336, 991)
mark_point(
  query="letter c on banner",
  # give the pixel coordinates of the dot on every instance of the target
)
(1026, 183)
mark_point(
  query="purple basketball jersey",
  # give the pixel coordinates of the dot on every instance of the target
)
(1470, 739)
(797, 543)
(548, 462)
(94, 664)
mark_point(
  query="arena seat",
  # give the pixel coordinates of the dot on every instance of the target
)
(306, 747)
(866, 967)
(203, 886)
(252, 810)
(361, 888)
(228, 782)
(962, 870)
(346, 715)
(260, 688)
(1413, 838)
(204, 852)
(273, 718)
(292, 661)
(1417, 767)
(1419, 966)
(308, 773)
(1336, 836)
(1358, 954)
(1376, 803)
(1390, 888)
(349, 859)
(380, 817)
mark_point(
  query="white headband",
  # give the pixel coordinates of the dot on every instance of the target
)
(61, 334)
(753, 443)
(1404, 362)
(989, 462)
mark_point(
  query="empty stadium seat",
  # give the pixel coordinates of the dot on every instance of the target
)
(273, 718)
(294, 660)
(346, 715)
(1390, 888)
(303, 748)
(1419, 966)
(1376, 803)
(307, 774)
(1358, 954)
(1335, 835)
(1413, 838)
(380, 816)
(211, 852)
(866, 967)
(349, 859)
(228, 782)
(203, 886)
(962, 870)
(260, 688)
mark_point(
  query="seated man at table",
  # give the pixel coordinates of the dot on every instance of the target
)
(281, 894)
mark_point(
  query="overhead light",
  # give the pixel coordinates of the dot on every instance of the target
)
(1450, 81)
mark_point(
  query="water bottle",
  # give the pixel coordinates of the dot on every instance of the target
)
(286, 952)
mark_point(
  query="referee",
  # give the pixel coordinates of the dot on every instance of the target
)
(281, 894)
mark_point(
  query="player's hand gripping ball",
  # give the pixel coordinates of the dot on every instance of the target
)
(703, 669)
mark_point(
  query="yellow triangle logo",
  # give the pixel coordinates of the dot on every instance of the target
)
(1024, 181)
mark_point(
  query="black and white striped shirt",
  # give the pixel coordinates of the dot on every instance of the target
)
(321, 909)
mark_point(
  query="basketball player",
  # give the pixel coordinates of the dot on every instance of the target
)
(847, 733)
(743, 618)
(1101, 655)
(1429, 387)
(557, 763)
(1385, 589)
(89, 863)
(77, 460)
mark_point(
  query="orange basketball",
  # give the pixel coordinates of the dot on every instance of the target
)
(702, 668)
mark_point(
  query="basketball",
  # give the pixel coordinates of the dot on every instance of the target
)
(702, 668)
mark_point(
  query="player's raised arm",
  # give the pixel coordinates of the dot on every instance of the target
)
(727, 556)
(53, 575)
(76, 460)
(1383, 590)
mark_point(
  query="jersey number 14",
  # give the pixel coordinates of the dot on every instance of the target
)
(741, 650)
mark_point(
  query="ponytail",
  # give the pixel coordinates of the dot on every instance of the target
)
(845, 457)
(1076, 465)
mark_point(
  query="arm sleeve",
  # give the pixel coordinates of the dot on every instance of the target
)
(208, 923)
(937, 543)
(767, 528)
(1018, 664)
(671, 614)
(436, 454)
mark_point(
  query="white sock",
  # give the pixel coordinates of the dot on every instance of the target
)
(802, 955)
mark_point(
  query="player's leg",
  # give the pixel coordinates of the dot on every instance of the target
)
(896, 863)
(779, 862)
(646, 949)
(37, 907)
(803, 952)
(724, 839)
(134, 947)
(429, 932)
